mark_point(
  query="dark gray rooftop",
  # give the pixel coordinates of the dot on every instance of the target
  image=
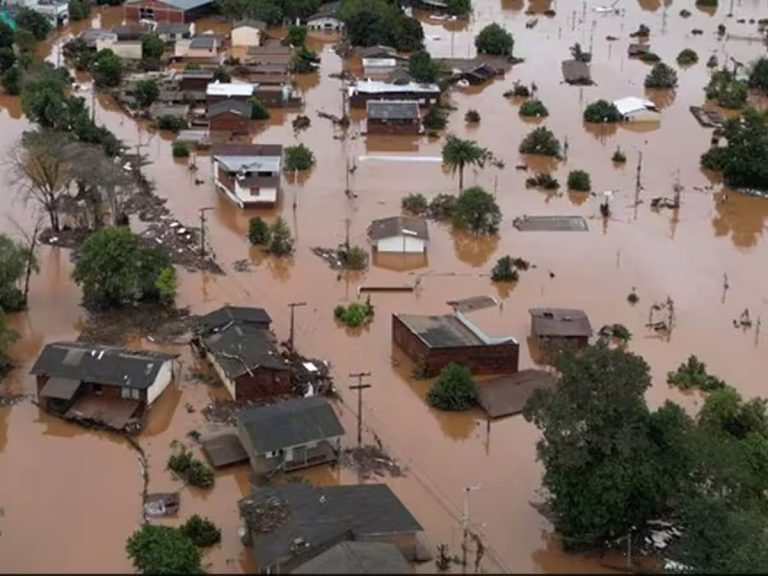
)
(230, 105)
(326, 10)
(206, 41)
(398, 226)
(290, 423)
(440, 331)
(392, 109)
(550, 224)
(321, 515)
(227, 314)
(100, 364)
(575, 72)
(560, 322)
(239, 348)
(507, 394)
(378, 51)
(358, 558)
(172, 28)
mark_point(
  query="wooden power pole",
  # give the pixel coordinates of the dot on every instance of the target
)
(359, 387)
(202, 230)
(292, 306)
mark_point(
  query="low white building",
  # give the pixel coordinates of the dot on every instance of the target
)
(124, 49)
(402, 234)
(326, 19)
(248, 174)
(248, 33)
(217, 91)
(634, 109)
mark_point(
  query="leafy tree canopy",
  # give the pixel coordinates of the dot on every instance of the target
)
(454, 389)
(163, 550)
(476, 210)
(373, 22)
(494, 39)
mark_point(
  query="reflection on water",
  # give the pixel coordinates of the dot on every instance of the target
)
(399, 261)
(740, 217)
(474, 249)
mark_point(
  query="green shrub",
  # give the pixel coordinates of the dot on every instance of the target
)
(259, 110)
(685, 13)
(338, 312)
(619, 157)
(661, 76)
(472, 116)
(258, 231)
(180, 150)
(542, 180)
(280, 241)
(725, 89)
(601, 111)
(354, 258)
(415, 204)
(11, 81)
(298, 158)
(649, 58)
(533, 109)
(435, 119)
(442, 206)
(541, 141)
(356, 314)
(494, 39)
(504, 270)
(193, 471)
(693, 374)
(579, 180)
(687, 57)
(171, 122)
(454, 389)
(201, 531)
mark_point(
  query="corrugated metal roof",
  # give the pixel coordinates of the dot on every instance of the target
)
(560, 322)
(392, 109)
(358, 558)
(241, 314)
(440, 331)
(239, 348)
(378, 87)
(290, 423)
(398, 226)
(229, 89)
(632, 104)
(232, 106)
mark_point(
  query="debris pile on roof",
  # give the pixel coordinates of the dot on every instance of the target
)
(266, 516)
(369, 460)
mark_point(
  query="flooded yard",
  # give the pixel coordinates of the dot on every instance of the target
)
(79, 491)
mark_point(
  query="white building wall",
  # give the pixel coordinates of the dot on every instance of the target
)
(163, 378)
(228, 384)
(246, 36)
(403, 244)
(643, 116)
(327, 23)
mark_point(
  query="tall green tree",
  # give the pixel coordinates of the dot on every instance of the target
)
(423, 68)
(13, 260)
(36, 23)
(741, 160)
(372, 22)
(146, 92)
(152, 46)
(163, 550)
(107, 68)
(459, 153)
(758, 74)
(494, 39)
(7, 337)
(476, 210)
(115, 269)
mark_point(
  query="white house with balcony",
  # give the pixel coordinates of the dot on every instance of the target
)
(248, 174)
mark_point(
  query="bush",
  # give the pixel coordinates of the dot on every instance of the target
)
(649, 58)
(435, 119)
(163, 550)
(693, 374)
(533, 109)
(707, 3)
(201, 531)
(758, 75)
(633, 298)
(542, 180)
(493, 39)
(147, 91)
(221, 75)
(298, 158)
(423, 68)
(415, 204)
(619, 157)
(356, 314)
(79, 10)
(687, 57)
(193, 471)
(442, 206)
(11, 81)
(685, 13)
(472, 116)
(541, 141)
(258, 231)
(7, 58)
(166, 286)
(661, 76)
(152, 47)
(375, 22)
(259, 110)
(454, 389)
(354, 258)
(296, 36)
(280, 243)
(171, 122)
(725, 89)
(180, 150)
(35, 23)
(615, 332)
(304, 61)
(601, 111)
(579, 180)
(504, 270)
(107, 68)
(476, 210)
(518, 91)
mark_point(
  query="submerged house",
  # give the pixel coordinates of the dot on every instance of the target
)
(424, 94)
(576, 73)
(311, 520)
(110, 385)
(634, 109)
(230, 116)
(556, 328)
(218, 91)
(289, 435)
(243, 352)
(393, 117)
(326, 18)
(378, 59)
(357, 558)
(432, 342)
(403, 234)
(249, 174)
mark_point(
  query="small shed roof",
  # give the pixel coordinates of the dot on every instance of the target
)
(358, 558)
(229, 89)
(632, 104)
(398, 226)
(224, 450)
(637, 49)
(259, 25)
(392, 109)
(231, 314)
(576, 72)
(290, 423)
(230, 106)
(100, 364)
(507, 394)
(560, 322)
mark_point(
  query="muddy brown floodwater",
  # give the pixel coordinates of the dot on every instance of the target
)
(78, 491)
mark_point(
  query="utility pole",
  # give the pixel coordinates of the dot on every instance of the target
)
(465, 521)
(292, 306)
(202, 229)
(359, 387)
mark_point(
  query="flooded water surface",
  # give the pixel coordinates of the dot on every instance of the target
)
(79, 491)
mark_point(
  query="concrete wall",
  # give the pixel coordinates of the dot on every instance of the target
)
(163, 378)
(228, 384)
(406, 244)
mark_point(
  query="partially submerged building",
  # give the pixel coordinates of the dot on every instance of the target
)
(248, 174)
(178, 11)
(270, 53)
(326, 18)
(393, 117)
(634, 109)
(357, 558)
(201, 48)
(232, 116)
(403, 234)
(248, 32)
(637, 49)
(243, 352)
(289, 525)
(507, 394)
(557, 328)
(108, 385)
(289, 435)
(424, 94)
(378, 60)
(172, 31)
(220, 91)
(576, 73)
(432, 342)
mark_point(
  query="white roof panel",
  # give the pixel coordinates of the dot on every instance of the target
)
(229, 89)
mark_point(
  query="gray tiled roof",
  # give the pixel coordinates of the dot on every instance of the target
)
(226, 314)
(398, 226)
(100, 364)
(230, 105)
(239, 348)
(320, 515)
(290, 423)
(560, 322)
(181, 4)
(358, 558)
(392, 109)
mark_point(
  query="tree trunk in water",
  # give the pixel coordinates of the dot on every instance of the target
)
(461, 178)
(30, 260)
(53, 217)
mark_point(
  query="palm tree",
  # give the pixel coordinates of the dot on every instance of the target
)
(458, 153)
